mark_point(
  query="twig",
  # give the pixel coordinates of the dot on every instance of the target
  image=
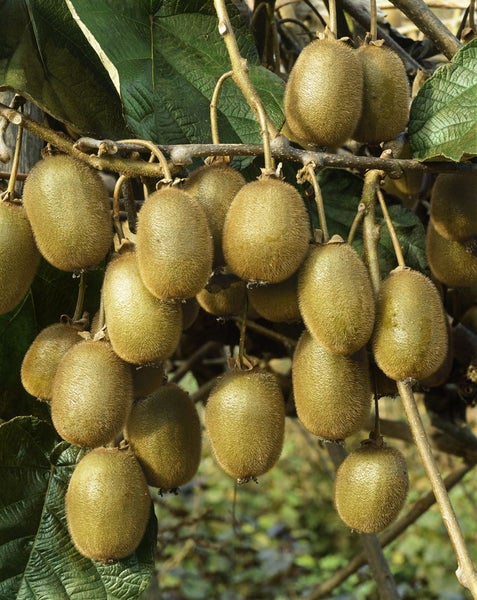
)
(80, 298)
(192, 359)
(370, 229)
(273, 335)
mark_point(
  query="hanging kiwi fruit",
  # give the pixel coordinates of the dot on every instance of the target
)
(245, 422)
(335, 297)
(371, 486)
(19, 256)
(225, 302)
(164, 432)
(68, 208)
(107, 504)
(276, 302)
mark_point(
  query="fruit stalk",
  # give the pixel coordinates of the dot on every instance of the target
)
(391, 229)
(80, 299)
(214, 127)
(465, 573)
(370, 229)
(10, 192)
(309, 171)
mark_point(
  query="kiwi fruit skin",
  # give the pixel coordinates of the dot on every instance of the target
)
(92, 394)
(452, 263)
(277, 302)
(141, 327)
(42, 358)
(165, 434)
(410, 339)
(453, 209)
(332, 392)
(146, 379)
(336, 298)
(323, 94)
(226, 302)
(245, 422)
(386, 95)
(266, 231)
(19, 256)
(107, 504)
(215, 186)
(371, 487)
(68, 207)
(174, 245)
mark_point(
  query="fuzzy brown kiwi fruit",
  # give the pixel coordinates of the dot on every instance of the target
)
(19, 256)
(410, 339)
(141, 327)
(215, 186)
(277, 302)
(451, 263)
(225, 302)
(266, 231)
(245, 422)
(146, 379)
(174, 245)
(165, 434)
(386, 95)
(107, 504)
(454, 206)
(42, 358)
(190, 311)
(371, 487)
(68, 207)
(92, 394)
(323, 94)
(332, 392)
(335, 297)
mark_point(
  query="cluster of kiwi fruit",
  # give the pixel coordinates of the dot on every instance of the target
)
(335, 93)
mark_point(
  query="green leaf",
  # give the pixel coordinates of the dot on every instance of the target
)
(443, 120)
(37, 557)
(45, 57)
(166, 57)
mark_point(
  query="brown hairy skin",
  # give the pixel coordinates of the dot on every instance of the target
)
(332, 392)
(141, 327)
(410, 339)
(266, 231)
(19, 256)
(386, 95)
(174, 245)
(146, 379)
(92, 394)
(42, 358)
(336, 298)
(68, 207)
(107, 504)
(245, 422)
(454, 206)
(215, 187)
(165, 434)
(323, 94)
(277, 302)
(371, 487)
(225, 302)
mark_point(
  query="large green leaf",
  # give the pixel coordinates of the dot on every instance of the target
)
(443, 121)
(45, 57)
(165, 57)
(37, 557)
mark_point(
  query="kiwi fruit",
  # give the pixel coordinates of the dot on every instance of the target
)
(451, 263)
(141, 327)
(42, 358)
(227, 301)
(68, 207)
(332, 392)
(245, 422)
(146, 379)
(323, 94)
(371, 487)
(276, 302)
(336, 297)
(386, 95)
(19, 256)
(190, 311)
(410, 339)
(266, 231)
(174, 245)
(92, 394)
(453, 208)
(164, 432)
(215, 186)
(107, 504)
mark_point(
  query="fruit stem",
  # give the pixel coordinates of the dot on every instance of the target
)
(243, 333)
(156, 152)
(80, 299)
(116, 212)
(356, 222)
(273, 335)
(10, 192)
(309, 169)
(370, 229)
(472, 15)
(391, 228)
(465, 573)
(214, 127)
(373, 29)
(333, 20)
